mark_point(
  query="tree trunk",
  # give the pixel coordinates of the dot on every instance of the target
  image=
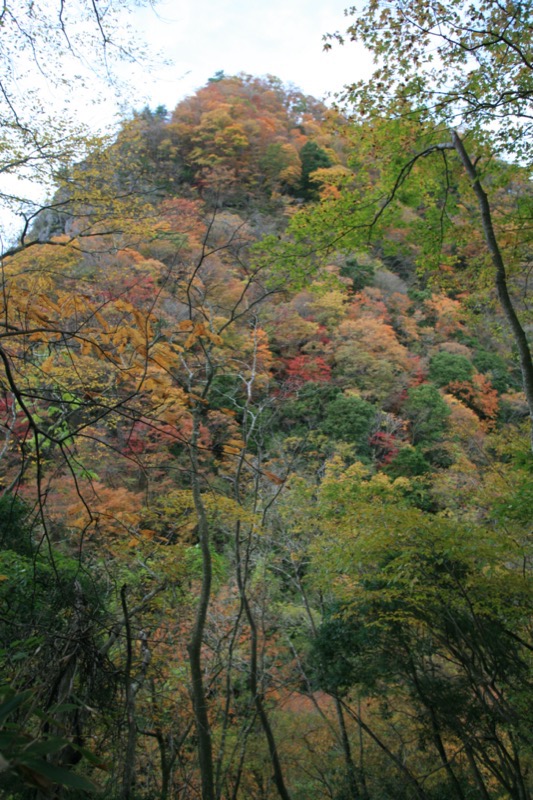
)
(519, 335)
(131, 688)
(398, 762)
(129, 756)
(254, 675)
(194, 647)
(347, 752)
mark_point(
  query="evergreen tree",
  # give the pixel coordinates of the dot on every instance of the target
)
(313, 157)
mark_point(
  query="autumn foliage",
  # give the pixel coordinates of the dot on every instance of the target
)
(273, 513)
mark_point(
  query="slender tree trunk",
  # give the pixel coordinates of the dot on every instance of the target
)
(347, 751)
(194, 647)
(254, 675)
(129, 757)
(361, 754)
(219, 777)
(476, 773)
(344, 740)
(520, 338)
(166, 769)
(417, 787)
(131, 687)
(439, 744)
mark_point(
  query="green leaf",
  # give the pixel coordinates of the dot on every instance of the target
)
(10, 705)
(47, 746)
(59, 775)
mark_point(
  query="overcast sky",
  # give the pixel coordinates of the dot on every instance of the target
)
(198, 38)
(260, 37)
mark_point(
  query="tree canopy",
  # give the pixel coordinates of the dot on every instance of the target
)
(459, 64)
(63, 47)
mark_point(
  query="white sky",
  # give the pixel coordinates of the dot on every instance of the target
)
(260, 37)
(198, 38)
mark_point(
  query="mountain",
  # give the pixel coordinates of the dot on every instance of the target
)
(266, 470)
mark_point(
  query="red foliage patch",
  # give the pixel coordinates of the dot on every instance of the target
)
(308, 368)
(384, 446)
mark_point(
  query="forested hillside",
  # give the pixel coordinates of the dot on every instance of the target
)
(266, 469)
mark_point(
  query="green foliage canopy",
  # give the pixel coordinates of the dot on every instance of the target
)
(458, 63)
(427, 411)
(446, 367)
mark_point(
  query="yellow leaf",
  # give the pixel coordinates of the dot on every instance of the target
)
(189, 341)
(235, 443)
(185, 325)
(101, 320)
(234, 451)
(40, 317)
(142, 322)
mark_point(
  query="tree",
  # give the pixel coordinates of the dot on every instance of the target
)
(464, 66)
(313, 157)
(349, 418)
(455, 80)
(89, 207)
(428, 618)
(446, 367)
(40, 44)
(51, 179)
(427, 412)
(54, 616)
(241, 139)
